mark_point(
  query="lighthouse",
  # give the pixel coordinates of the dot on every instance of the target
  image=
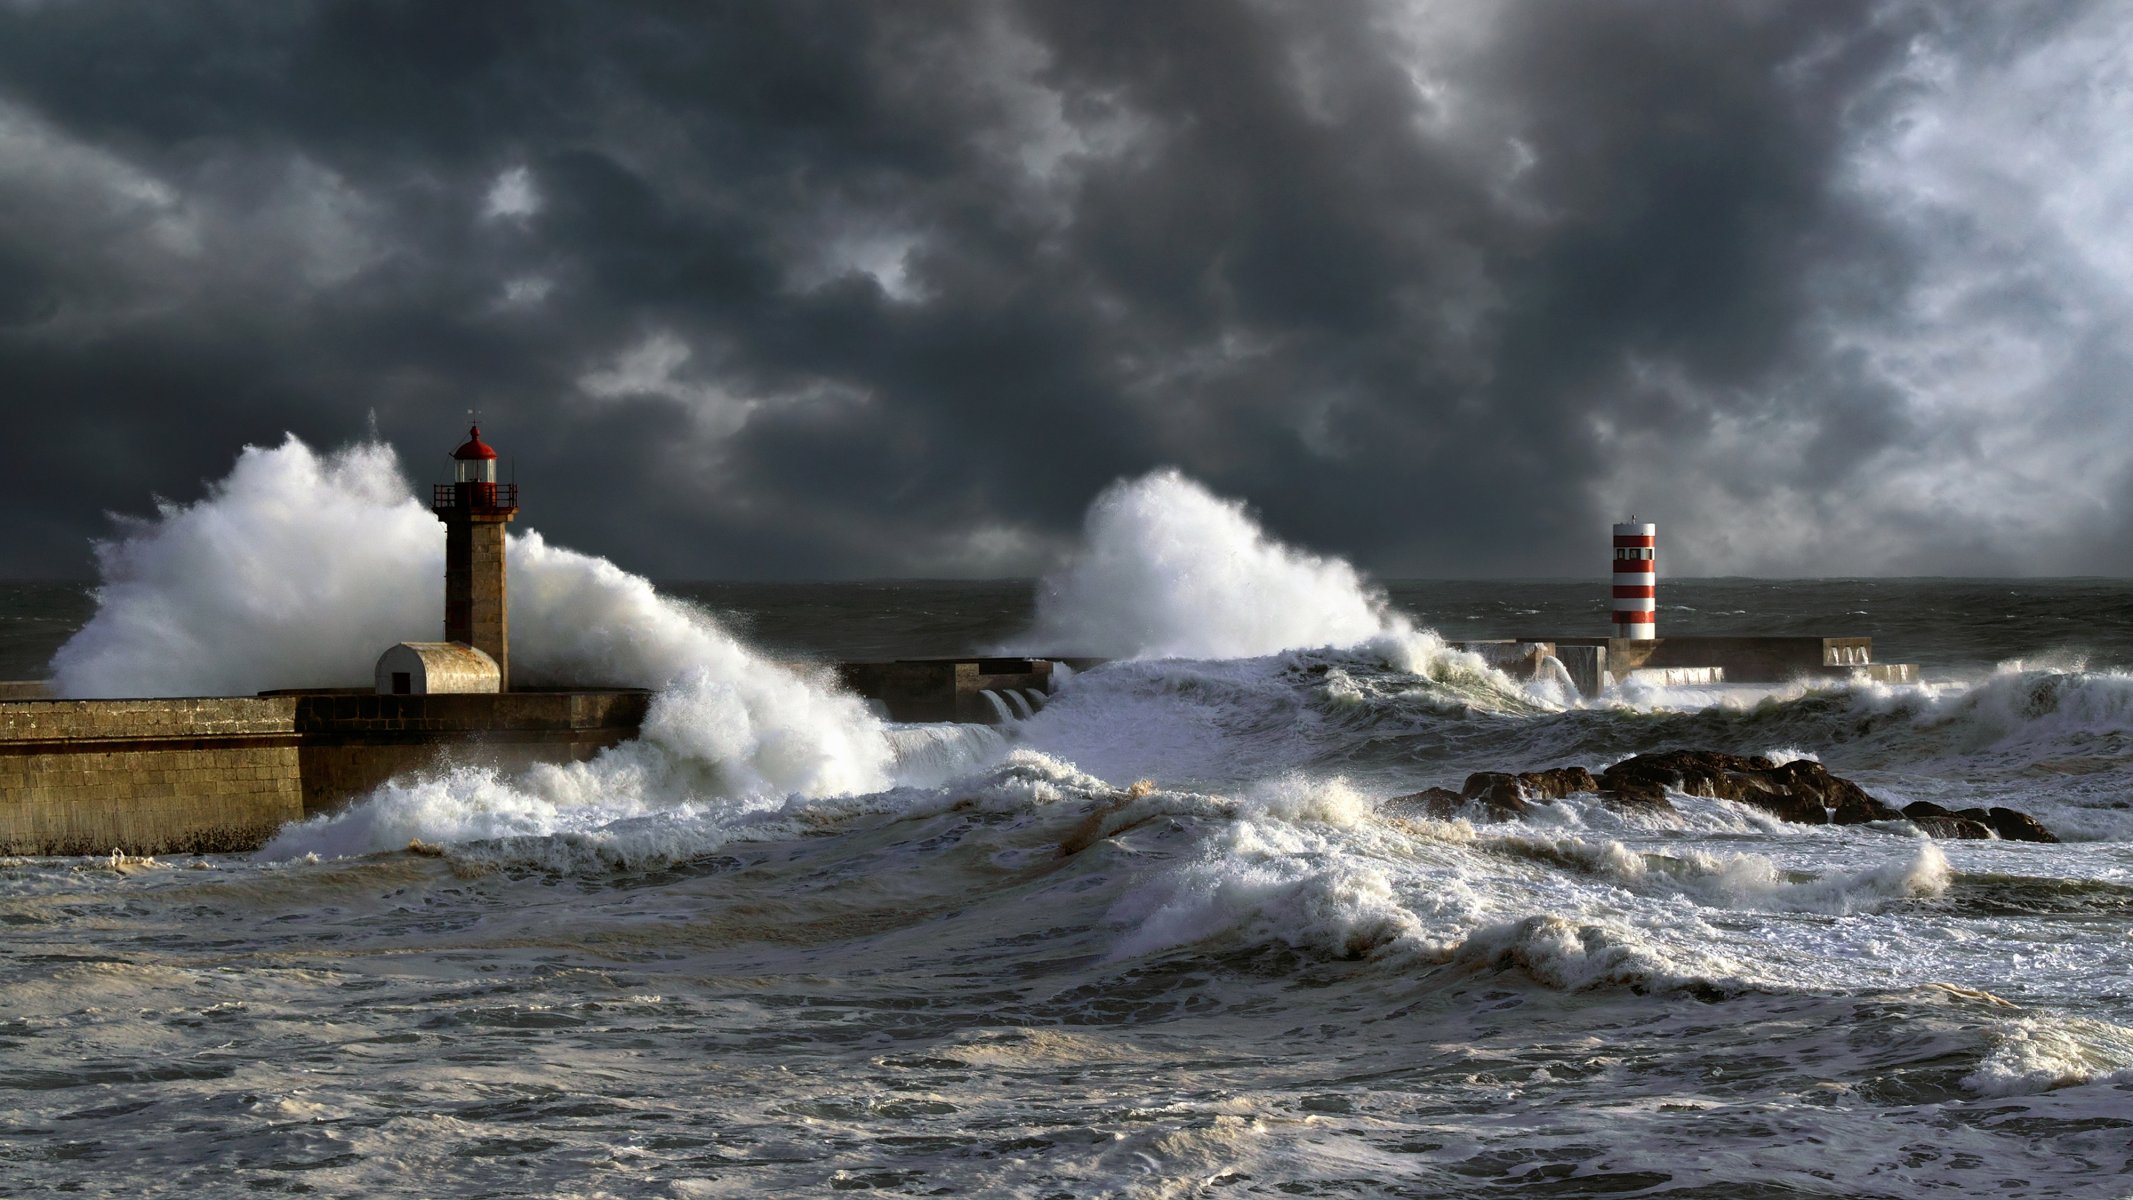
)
(475, 508)
(1636, 580)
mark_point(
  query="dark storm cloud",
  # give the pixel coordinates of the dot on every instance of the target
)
(835, 289)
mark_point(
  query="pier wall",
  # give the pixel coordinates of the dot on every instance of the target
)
(146, 776)
(946, 689)
(1744, 659)
(351, 742)
(215, 774)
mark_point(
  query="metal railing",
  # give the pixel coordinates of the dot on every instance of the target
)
(475, 497)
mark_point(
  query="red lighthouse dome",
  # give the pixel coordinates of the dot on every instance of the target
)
(475, 447)
(474, 462)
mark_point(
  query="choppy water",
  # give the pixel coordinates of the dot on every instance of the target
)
(778, 948)
(1251, 978)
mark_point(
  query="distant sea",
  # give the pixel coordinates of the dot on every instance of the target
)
(777, 948)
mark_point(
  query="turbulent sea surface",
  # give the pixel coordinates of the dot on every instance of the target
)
(1162, 938)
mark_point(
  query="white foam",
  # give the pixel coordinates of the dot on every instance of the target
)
(932, 755)
(1791, 754)
(2041, 1053)
(1170, 570)
(1580, 955)
(296, 570)
(1272, 868)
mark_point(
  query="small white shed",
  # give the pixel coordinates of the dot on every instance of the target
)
(434, 668)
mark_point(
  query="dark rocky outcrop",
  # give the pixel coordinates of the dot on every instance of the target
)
(1497, 792)
(1977, 823)
(1440, 803)
(1558, 782)
(2013, 826)
(1501, 795)
(1941, 823)
(1801, 790)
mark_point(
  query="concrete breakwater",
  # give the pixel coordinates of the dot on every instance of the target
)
(975, 690)
(1593, 663)
(221, 774)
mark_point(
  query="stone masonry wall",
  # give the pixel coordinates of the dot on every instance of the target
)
(146, 776)
(354, 742)
(163, 776)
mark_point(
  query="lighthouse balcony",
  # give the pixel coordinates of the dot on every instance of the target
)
(475, 497)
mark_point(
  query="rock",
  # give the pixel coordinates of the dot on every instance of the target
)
(1940, 823)
(1498, 792)
(1558, 782)
(1802, 790)
(1500, 795)
(1977, 823)
(1442, 804)
(2014, 826)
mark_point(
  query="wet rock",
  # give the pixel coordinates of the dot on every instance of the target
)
(1802, 790)
(1499, 794)
(2013, 826)
(1442, 804)
(1977, 823)
(1941, 823)
(1558, 782)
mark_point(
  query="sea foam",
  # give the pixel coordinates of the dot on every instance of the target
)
(1170, 570)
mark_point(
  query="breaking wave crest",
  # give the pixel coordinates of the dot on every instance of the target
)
(2033, 1054)
(1168, 569)
(296, 570)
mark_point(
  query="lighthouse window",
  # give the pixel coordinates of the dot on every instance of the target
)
(477, 470)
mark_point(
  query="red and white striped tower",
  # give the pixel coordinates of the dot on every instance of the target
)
(1636, 580)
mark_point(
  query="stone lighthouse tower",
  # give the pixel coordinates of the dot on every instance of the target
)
(475, 508)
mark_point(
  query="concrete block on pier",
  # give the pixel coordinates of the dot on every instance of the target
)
(1677, 676)
(1886, 673)
(1587, 666)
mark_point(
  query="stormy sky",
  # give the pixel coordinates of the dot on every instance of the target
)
(825, 290)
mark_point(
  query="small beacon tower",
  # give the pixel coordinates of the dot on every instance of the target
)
(1636, 580)
(475, 508)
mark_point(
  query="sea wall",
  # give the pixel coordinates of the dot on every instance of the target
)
(146, 776)
(947, 689)
(1747, 658)
(352, 742)
(214, 774)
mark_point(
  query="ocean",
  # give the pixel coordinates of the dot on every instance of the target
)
(1166, 937)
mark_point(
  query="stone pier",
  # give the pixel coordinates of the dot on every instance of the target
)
(220, 774)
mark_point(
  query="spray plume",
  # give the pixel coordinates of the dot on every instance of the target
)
(1170, 570)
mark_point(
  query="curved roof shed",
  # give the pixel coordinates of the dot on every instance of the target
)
(435, 668)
